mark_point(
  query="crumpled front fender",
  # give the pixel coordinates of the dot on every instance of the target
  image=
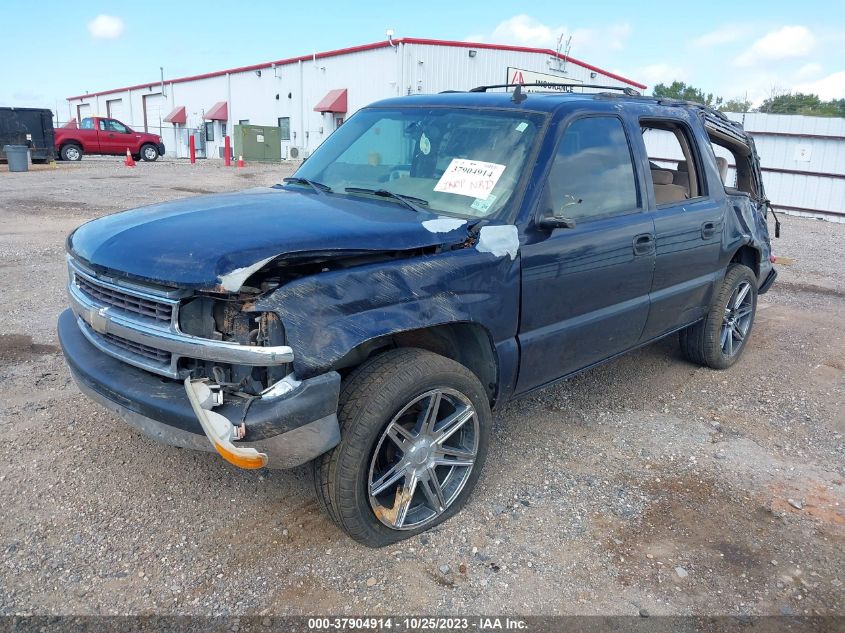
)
(329, 314)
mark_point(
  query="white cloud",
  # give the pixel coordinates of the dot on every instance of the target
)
(105, 27)
(786, 42)
(527, 31)
(723, 35)
(660, 73)
(613, 37)
(524, 30)
(810, 70)
(830, 87)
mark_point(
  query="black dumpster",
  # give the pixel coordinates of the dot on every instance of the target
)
(32, 127)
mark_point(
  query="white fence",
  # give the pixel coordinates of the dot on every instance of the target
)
(803, 162)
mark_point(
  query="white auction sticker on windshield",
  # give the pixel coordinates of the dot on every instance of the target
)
(473, 178)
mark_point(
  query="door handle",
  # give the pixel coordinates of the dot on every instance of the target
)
(708, 230)
(643, 244)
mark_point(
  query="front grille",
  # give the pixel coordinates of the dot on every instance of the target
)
(159, 311)
(139, 349)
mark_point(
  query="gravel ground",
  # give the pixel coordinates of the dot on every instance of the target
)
(647, 483)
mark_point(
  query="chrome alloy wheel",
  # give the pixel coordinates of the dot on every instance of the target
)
(737, 320)
(150, 153)
(423, 459)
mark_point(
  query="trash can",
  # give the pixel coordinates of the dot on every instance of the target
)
(18, 157)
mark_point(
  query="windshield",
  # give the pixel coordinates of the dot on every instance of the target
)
(462, 162)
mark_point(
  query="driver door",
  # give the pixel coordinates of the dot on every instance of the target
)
(585, 290)
(114, 137)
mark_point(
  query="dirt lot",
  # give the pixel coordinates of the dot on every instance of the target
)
(647, 484)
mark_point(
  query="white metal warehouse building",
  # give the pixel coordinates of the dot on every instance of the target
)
(307, 97)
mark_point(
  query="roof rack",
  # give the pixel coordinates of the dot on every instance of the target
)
(628, 91)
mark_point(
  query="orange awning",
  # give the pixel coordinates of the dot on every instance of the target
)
(334, 101)
(179, 115)
(218, 112)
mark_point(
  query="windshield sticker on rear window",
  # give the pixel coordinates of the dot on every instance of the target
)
(473, 178)
(522, 127)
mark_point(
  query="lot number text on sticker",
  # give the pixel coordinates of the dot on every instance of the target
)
(473, 178)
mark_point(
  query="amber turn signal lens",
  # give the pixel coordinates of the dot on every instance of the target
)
(251, 462)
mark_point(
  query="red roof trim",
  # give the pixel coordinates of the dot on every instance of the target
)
(179, 115)
(218, 112)
(334, 101)
(70, 124)
(362, 48)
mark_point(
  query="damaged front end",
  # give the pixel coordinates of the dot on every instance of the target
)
(140, 348)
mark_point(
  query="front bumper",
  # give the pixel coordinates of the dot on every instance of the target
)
(291, 429)
(160, 148)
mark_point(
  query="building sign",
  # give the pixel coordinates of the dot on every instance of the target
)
(803, 153)
(521, 76)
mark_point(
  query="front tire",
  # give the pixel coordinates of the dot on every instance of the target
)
(71, 152)
(149, 153)
(719, 340)
(415, 428)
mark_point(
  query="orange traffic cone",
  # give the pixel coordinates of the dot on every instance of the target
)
(240, 161)
(129, 162)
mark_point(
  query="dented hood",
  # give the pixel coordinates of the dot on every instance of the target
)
(217, 241)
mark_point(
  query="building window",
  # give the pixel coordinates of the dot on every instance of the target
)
(243, 122)
(209, 130)
(338, 121)
(222, 129)
(284, 128)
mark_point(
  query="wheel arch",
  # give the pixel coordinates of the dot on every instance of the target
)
(748, 255)
(467, 343)
(71, 141)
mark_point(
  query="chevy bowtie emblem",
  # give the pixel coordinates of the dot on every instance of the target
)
(97, 319)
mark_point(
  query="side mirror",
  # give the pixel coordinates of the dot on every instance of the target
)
(556, 222)
(556, 219)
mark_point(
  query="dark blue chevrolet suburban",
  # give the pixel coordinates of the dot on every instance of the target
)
(435, 257)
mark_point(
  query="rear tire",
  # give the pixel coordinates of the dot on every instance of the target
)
(719, 340)
(396, 471)
(71, 152)
(149, 153)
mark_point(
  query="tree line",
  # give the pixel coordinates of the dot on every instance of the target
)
(778, 102)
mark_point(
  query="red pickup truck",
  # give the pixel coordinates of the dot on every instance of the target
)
(100, 135)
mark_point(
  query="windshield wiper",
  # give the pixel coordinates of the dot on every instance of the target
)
(413, 203)
(316, 186)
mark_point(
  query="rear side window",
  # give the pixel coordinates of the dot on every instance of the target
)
(86, 124)
(593, 173)
(674, 170)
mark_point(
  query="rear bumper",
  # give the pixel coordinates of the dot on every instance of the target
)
(291, 429)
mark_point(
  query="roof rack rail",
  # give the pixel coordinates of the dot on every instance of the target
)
(628, 91)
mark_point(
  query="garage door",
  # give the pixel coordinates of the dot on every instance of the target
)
(155, 109)
(114, 109)
(82, 110)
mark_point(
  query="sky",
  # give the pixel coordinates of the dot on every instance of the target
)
(53, 49)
